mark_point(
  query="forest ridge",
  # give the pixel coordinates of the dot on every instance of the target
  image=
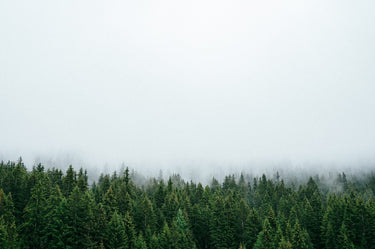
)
(48, 208)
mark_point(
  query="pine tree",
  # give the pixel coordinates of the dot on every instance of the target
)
(165, 238)
(253, 226)
(52, 232)
(200, 221)
(300, 238)
(215, 185)
(130, 230)
(144, 215)
(343, 240)
(4, 241)
(154, 243)
(110, 201)
(278, 237)
(182, 233)
(124, 199)
(330, 237)
(180, 222)
(266, 237)
(117, 238)
(160, 195)
(82, 180)
(79, 219)
(221, 234)
(17, 183)
(35, 212)
(311, 221)
(69, 181)
(369, 224)
(8, 230)
(140, 243)
(99, 224)
(288, 232)
(170, 206)
(284, 244)
(242, 212)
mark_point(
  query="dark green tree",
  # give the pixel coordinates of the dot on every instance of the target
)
(8, 230)
(253, 226)
(79, 220)
(265, 238)
(300, 238)
(117, 237)
(35, 213)
(69, 181)
(165, 238)
(140, 243)
(53, 230)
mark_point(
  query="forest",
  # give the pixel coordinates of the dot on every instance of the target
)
(49, 208)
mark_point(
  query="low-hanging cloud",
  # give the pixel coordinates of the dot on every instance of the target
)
(171, 83)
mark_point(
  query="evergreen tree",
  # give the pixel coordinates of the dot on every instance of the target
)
(130, 230)
(284, 244)
(160, 195)
(311, 221)
(78, 220)
(253, 226)
(52, 232)
(117, 238)
(343, 240)
(154, 243)
(82, 180)
(140, 243)
(165, 238)
(35, 212)
(144, 215)
(124, 199)
(221, 234)
(300, 237)
(266, 237)
(110, 201)
(99, 225)
(183, 236)
(369, 224)
(242, 212)
(4, 241)
(69, 181)
(200, 221)
(170, 206)
(8, 230)
(17, 183)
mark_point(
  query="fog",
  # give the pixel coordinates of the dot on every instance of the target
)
(188, 86)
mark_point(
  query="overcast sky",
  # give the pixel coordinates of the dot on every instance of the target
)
(165, 82)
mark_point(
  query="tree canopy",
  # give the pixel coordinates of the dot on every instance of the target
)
(47, 208)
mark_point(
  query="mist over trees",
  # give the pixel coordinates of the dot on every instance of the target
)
(48, 208)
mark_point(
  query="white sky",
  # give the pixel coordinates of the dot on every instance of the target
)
(169, 81)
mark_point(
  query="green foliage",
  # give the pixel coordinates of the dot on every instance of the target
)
(165, 238)
(78, 219)
(8, 230)
(140, 243)
(300, 238)
(35, 212)
(69, 181)
(53, 230)
(221, 231)
(117, 237)
(266, 236)
(51, 209)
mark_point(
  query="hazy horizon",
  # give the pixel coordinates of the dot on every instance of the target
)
(200, 84)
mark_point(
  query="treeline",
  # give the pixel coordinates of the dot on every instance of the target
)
(51, 209)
